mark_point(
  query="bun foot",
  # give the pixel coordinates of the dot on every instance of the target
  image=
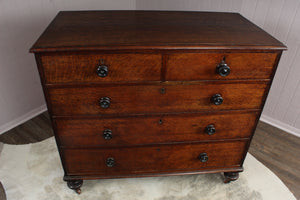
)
(230, 176)
(75, 185)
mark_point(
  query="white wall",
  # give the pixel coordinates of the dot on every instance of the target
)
(21, 22)
(280, 18)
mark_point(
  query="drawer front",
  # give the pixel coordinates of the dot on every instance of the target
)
(103, 100)
(202, 66)
(74, 68)
(150, 130)
(151, 159)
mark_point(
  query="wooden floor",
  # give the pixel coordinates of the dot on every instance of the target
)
(276, 149)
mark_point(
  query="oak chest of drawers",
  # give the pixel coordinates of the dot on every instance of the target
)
(146, 93)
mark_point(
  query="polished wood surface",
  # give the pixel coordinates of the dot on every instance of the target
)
(94, 30)
(153, 159)
(138, 99)
(81, 68)
(202, 66)
(276, 149)
(134, 130)
(192, 38)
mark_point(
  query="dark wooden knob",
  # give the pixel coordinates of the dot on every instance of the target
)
(210, 129)
(102, 71)
(107, 134)
(104, 102)
(223, 69)
(203, 157)
(217, 99)
(110, 162)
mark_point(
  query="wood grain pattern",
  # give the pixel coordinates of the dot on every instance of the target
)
(148, 98)
(96, 30)
(81, 68)
(262, 147)
(153, 159)
(163, 107)
(202, 66)
(148, 129)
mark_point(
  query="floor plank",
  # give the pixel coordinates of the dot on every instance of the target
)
(276, 149)
(280, 152)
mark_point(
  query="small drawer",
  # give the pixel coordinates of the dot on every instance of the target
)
(158, 129)
(100, 68)
(215, 66)
(152, 159)
(139, 99)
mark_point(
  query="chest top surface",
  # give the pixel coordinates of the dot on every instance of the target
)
(104, 30)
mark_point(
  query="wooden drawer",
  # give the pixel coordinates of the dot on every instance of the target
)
(151, 159)
(82, 68)
(154, 129)
(137, 99)
(202, 66)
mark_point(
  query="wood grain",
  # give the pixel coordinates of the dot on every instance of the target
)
(136, 99)
(262, 147)
(148, 129)
(202, 66)
(153, 159)
(96, 30)
(81, 68)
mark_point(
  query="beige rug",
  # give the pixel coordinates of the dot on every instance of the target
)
(33, 172)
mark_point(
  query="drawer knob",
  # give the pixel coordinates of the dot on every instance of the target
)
(107, 134)
(110, 162)
(217, 99)
(210, 129)
(104, 102)
(203, 157)
(102, 69)
(223, 69)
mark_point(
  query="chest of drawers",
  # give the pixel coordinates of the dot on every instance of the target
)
(151, 93)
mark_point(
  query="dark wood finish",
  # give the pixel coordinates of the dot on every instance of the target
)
(282, 158)
(147, 129)
(75, 185)
(81, 68)
(153, 159)
(148, 99)
(230, 176)
(202, 66)
(172, 85)
(107, 30)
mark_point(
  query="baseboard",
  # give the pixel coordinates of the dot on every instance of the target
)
(21, 119)
(278, 124)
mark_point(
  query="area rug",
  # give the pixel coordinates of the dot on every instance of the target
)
(34, 172)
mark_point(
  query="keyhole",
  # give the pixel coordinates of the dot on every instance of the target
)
(162, 90)
(160, 121)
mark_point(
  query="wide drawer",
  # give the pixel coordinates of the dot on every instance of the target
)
(151, 159)
(154, 129)
(82, 68)
(202, 66)
(135, 99)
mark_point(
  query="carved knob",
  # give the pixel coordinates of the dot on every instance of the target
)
(107, 134)
(223, 69)
(217, 99)
(104, 102)
(210, 129)
(102, 71)
(203, 157)
(110, 162)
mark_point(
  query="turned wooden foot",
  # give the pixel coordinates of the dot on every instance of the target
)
(230, 176)
(75, 185)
